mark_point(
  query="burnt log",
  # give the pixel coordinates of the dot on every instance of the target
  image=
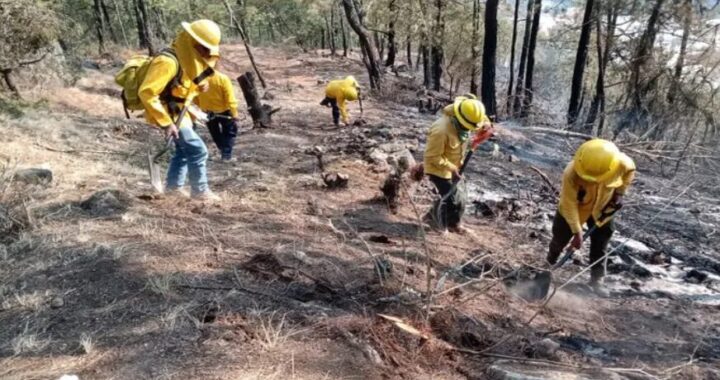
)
(261, 114)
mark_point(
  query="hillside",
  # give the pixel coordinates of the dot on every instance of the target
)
(287, 279)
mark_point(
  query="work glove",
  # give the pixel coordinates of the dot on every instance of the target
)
(616, 201)
(171, 132)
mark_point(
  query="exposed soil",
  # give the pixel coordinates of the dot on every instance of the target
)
(286, 278)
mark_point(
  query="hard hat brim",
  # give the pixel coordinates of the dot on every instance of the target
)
(214, 49)
(456, 108)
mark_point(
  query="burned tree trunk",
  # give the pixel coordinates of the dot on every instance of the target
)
(108, 22)
(392, 46)
(528, 99)
(489, 51)
(436, 51)
(580, 60)
(519, 88)
(408, 51)
(373, 59)
(508, 104)
(343, 30)
(99, 26)
(597, 107)
(144, 35)
(474, 52)
(686, 14)
(261, 114)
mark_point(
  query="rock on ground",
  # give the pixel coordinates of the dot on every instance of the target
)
(106, 203)
(34, 176)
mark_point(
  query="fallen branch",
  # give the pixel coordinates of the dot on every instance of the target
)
(51, 149)
(559, 132)
(546, 179)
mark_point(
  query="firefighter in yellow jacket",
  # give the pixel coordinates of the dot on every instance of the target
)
(337, 94)
(220, 103)
(163, 92)
(445, 148)
(594, 183)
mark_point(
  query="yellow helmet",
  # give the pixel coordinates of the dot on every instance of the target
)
(469, 111)
(206, 33)
(598, 161)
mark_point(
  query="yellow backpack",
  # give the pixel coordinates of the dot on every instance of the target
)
(132, 75)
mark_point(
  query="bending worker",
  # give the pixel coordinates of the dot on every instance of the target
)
(445, 149)
(163, 93)
(220, 103)
(593, 186)
(337, 93)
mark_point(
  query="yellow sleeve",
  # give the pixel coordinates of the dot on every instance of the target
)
(342, 105)
(232, 102)
(435, 149)
(568, 202)
(161, 71)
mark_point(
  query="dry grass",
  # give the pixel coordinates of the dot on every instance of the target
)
(272, 329)
(86, 343)
(28, 342)
(162, 284)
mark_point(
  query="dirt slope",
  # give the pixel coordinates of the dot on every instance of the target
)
(280, 279)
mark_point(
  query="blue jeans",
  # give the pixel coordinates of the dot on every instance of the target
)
(190, 158)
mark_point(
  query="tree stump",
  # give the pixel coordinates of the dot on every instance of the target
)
(261, 113)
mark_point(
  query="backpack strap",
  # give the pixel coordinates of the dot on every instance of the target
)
(166, 95)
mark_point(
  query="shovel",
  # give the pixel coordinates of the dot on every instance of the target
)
(479, 138)
(539, 286)
(153, 165)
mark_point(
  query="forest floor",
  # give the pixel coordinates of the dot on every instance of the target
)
(279, 279)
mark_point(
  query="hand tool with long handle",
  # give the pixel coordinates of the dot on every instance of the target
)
(479, 138)
(542, 281)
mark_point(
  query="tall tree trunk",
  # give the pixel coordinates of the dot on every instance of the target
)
(392, 47)
(343, 30)
(379, 44)
(436, 52)
(489, 51)
(509, 100)
(99, 26)
(243, 36)
(331, 33)
(686, 14)
(597, 107)
(580, 60)
(120, 22)
(108, 22)
(474, 53)
(427, 70)
(373, 59)
(528, 99)
(408, 51)
(162, 31)
(636, 88)
(519, 88)
(144, 36)
(323, 38)
(242, 16)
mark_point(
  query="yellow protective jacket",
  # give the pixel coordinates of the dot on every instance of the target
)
(580, 199)
(162, 70)
(444, 151)
(343, 90)
(220, 96)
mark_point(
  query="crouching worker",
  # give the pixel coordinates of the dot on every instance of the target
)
(445, 150)
(593, 186)
(337, 93)
(171, 78)
(220, 103)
